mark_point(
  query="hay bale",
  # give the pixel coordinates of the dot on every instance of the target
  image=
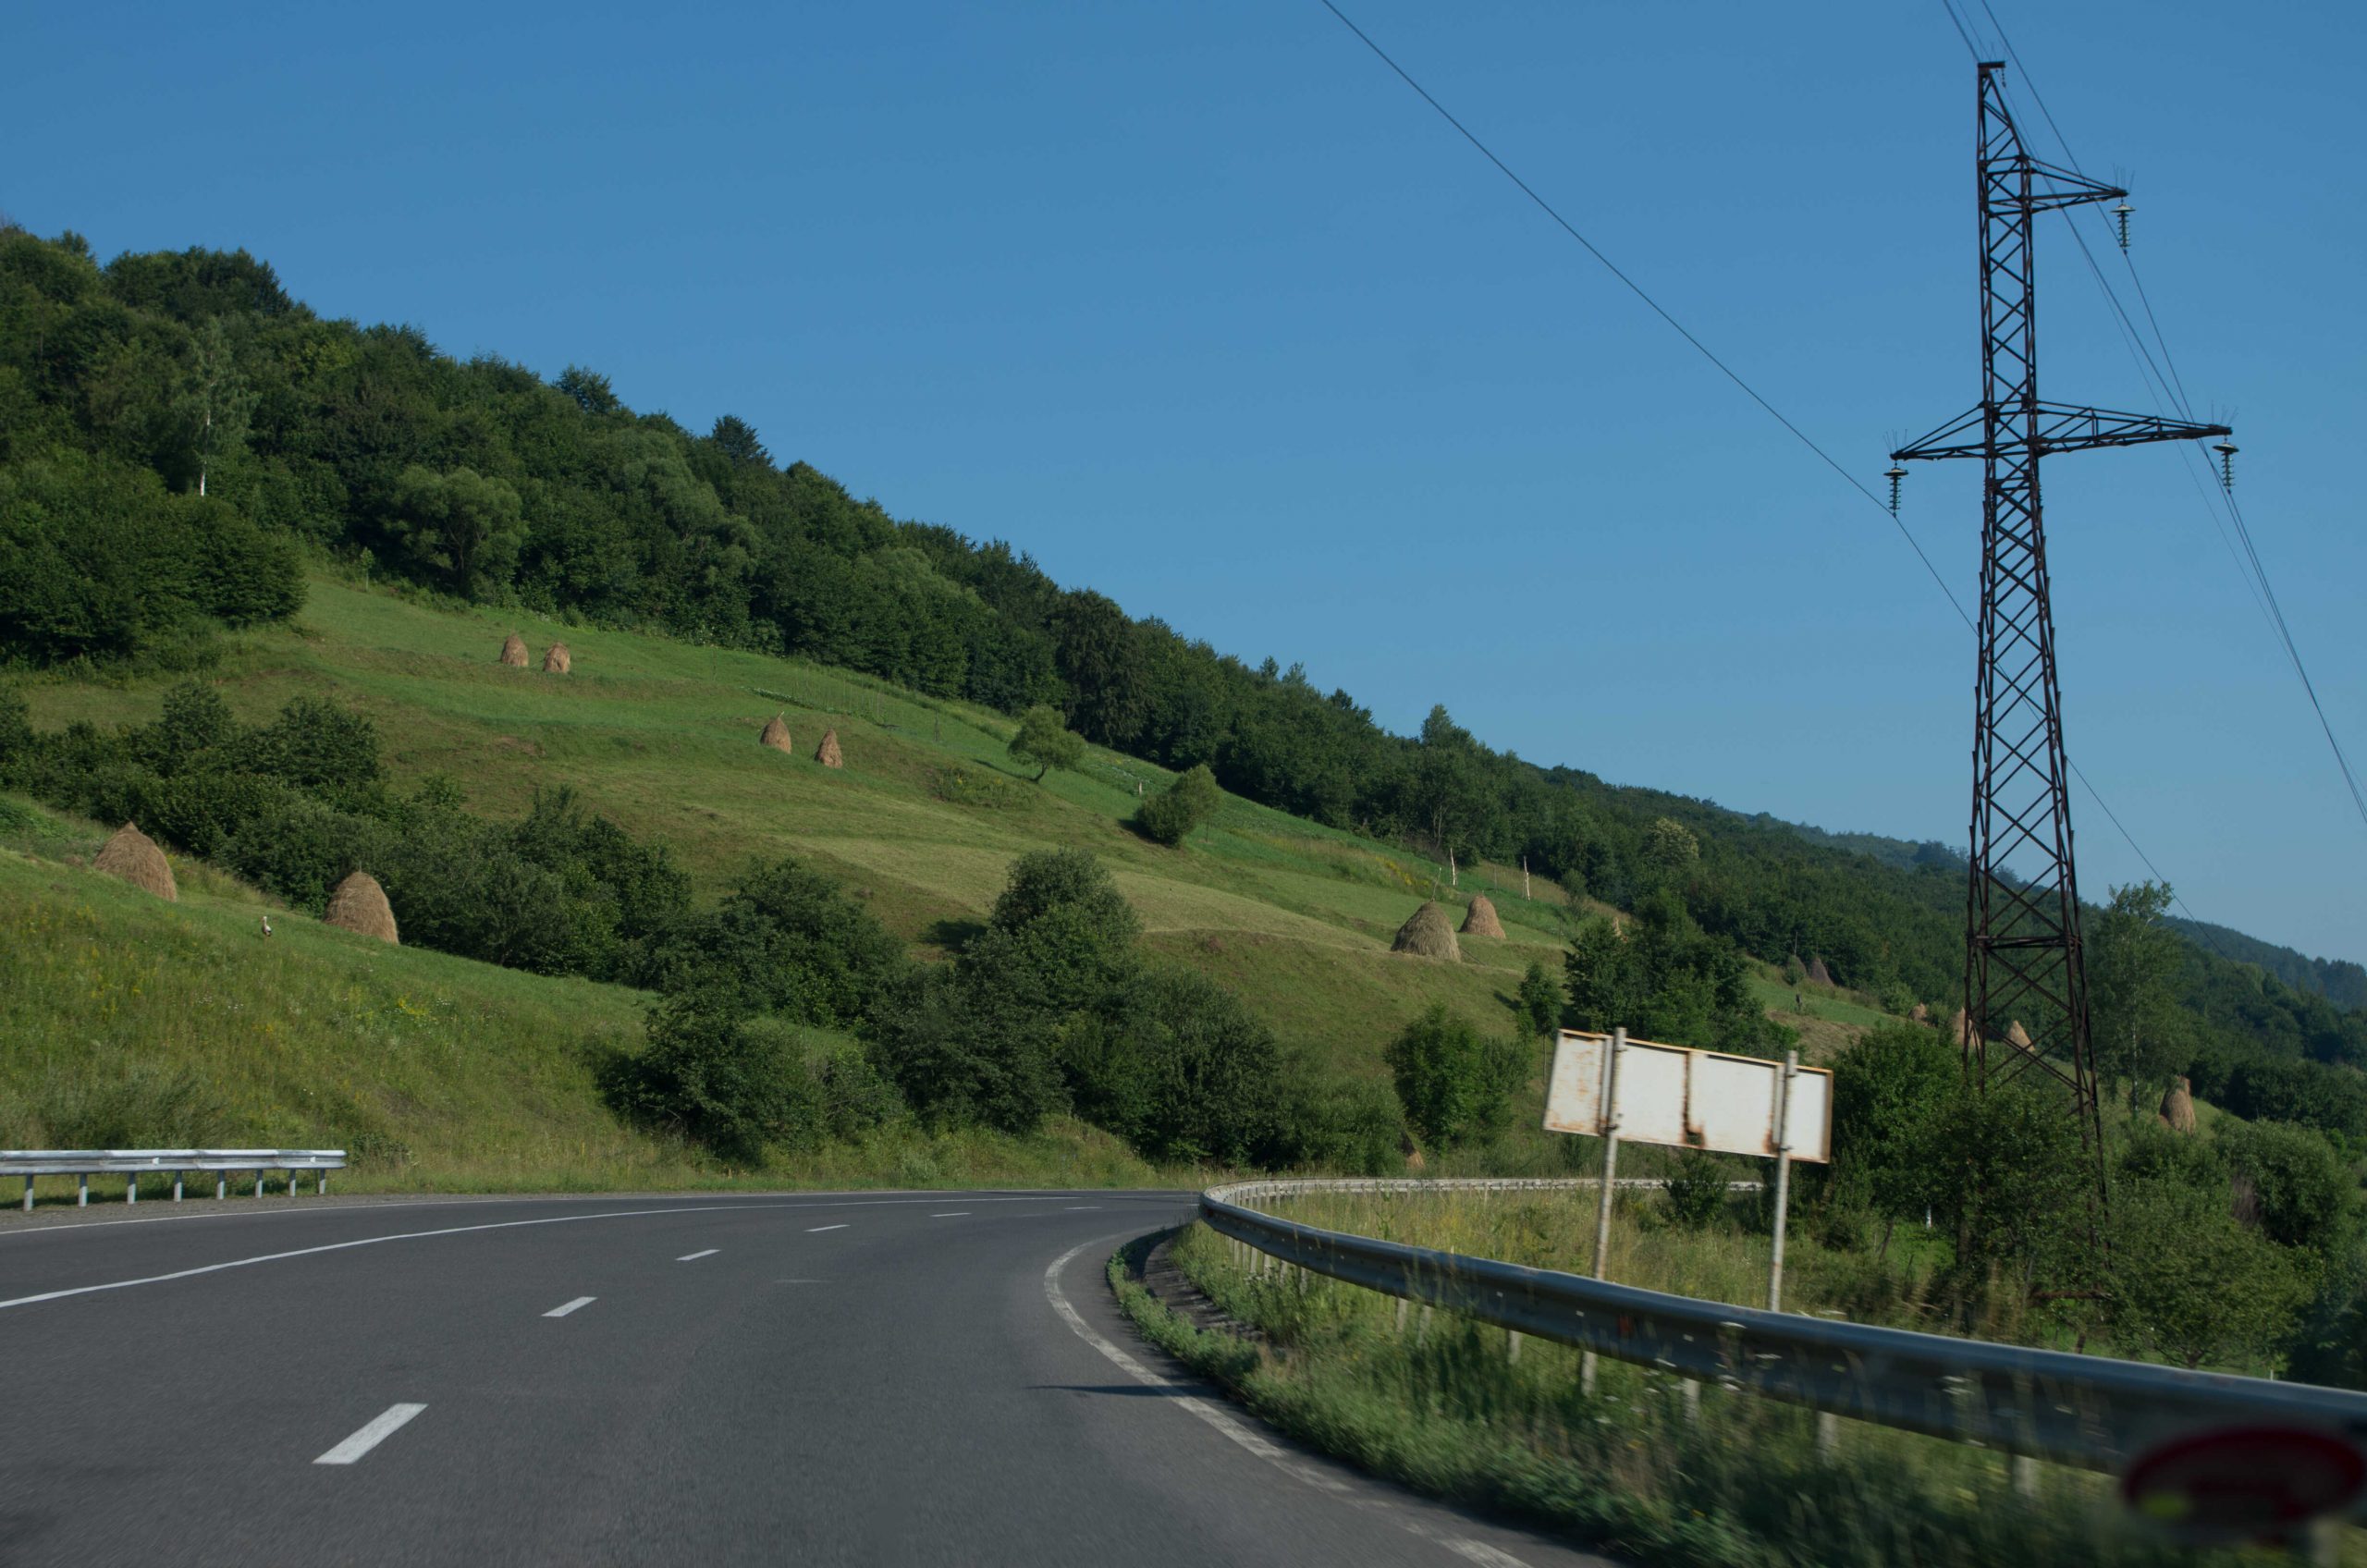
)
(133, 856)
(513, 651)
(1921, 1014)
(2017, 1036)
(1428, 934)
(1480, 920)
(775, 735)
(827, 752)
(557, 660)
(1818, 974)
(360, 904)
(2177, 1107)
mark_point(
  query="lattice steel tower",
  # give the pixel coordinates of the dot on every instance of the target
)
(2022, 956)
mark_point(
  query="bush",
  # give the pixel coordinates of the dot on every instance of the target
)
(1696, 1189)
(2192, 1284)
(736, 1084)
(1455, 1084)
(785, 940)
(2299, 1191)
(1182, 1071)
(1171, 814)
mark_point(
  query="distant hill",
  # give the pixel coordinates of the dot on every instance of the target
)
(2338, 980)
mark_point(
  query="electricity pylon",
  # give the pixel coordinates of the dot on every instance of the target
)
(2022, 956)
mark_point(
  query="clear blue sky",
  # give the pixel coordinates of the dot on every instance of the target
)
(1207, 310)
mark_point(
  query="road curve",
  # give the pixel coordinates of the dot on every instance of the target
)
(934, 1377)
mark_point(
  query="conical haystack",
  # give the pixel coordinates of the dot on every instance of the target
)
(1923, 1014)
(1960, 1027)
(1481, 920)
(1428, 934)
(557, 661)
(2017, 1036)
(775, 735)
(827, 752)
(134, 856)
(1818, 974)
(2177, 1107)
(513, 651)
(360, 904)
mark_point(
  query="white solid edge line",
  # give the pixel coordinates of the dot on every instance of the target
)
(817, 1229)
(741, 1207)
(1255, 1442)
(694, 1256)
(381, 1427)
(563, 1310)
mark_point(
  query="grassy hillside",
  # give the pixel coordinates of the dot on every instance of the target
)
(924, 820)
(124, 1019)
(438, 1071)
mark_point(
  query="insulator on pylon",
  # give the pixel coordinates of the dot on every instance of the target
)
(2226, 451)
(2121, 215)
(1893, 474)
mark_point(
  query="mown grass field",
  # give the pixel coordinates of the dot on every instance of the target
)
(465, 1074)
(661, 735)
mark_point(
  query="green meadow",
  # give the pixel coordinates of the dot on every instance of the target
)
(444, 1071)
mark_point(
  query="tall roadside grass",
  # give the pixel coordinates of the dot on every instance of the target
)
(1442, 1404)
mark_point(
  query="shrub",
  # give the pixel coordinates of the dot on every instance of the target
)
(1539, 1000)
(736, 1084)
(2299, 1187)
(1171, 814)
(1182, 1071)
(785, 940)
(1696, 1189)
(1455, 1084)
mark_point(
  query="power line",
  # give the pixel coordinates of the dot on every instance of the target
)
(1657, 309)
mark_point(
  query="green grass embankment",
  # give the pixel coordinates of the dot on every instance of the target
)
(1440, 1406)
(126, 1019)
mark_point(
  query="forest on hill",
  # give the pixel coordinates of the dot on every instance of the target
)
(177, 434)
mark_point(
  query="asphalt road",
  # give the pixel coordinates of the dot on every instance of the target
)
(938, 1377)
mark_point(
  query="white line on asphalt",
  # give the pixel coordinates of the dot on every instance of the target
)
(950, 1214)
(1470, 1550)
(744, 1208)
(1085, 1208)
(570, 1306)
(694, 1256)
(380, 1428)
(816, 1229)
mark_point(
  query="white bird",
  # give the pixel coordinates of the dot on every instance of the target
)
(266, 925)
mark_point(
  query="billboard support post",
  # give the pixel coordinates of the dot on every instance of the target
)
(1609, 1176)
(1782, 1176)
(1610, 1151)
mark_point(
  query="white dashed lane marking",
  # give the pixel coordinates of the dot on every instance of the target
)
(570, 1306)
(380, 1428)
(951, 1214)
(694, 1256)
(816, 1229)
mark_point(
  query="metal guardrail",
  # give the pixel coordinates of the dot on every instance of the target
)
(2093, 1412)
(135, 1163)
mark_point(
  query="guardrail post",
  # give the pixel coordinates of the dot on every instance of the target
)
(176, 1186)
(322, 1191)
(82, 1189)
(2025, 1473)
(28, 1194)
(1827, 1434)
(221, 1183)
(131, 1188)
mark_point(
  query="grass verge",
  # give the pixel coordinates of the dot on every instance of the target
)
(1438, 1405)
